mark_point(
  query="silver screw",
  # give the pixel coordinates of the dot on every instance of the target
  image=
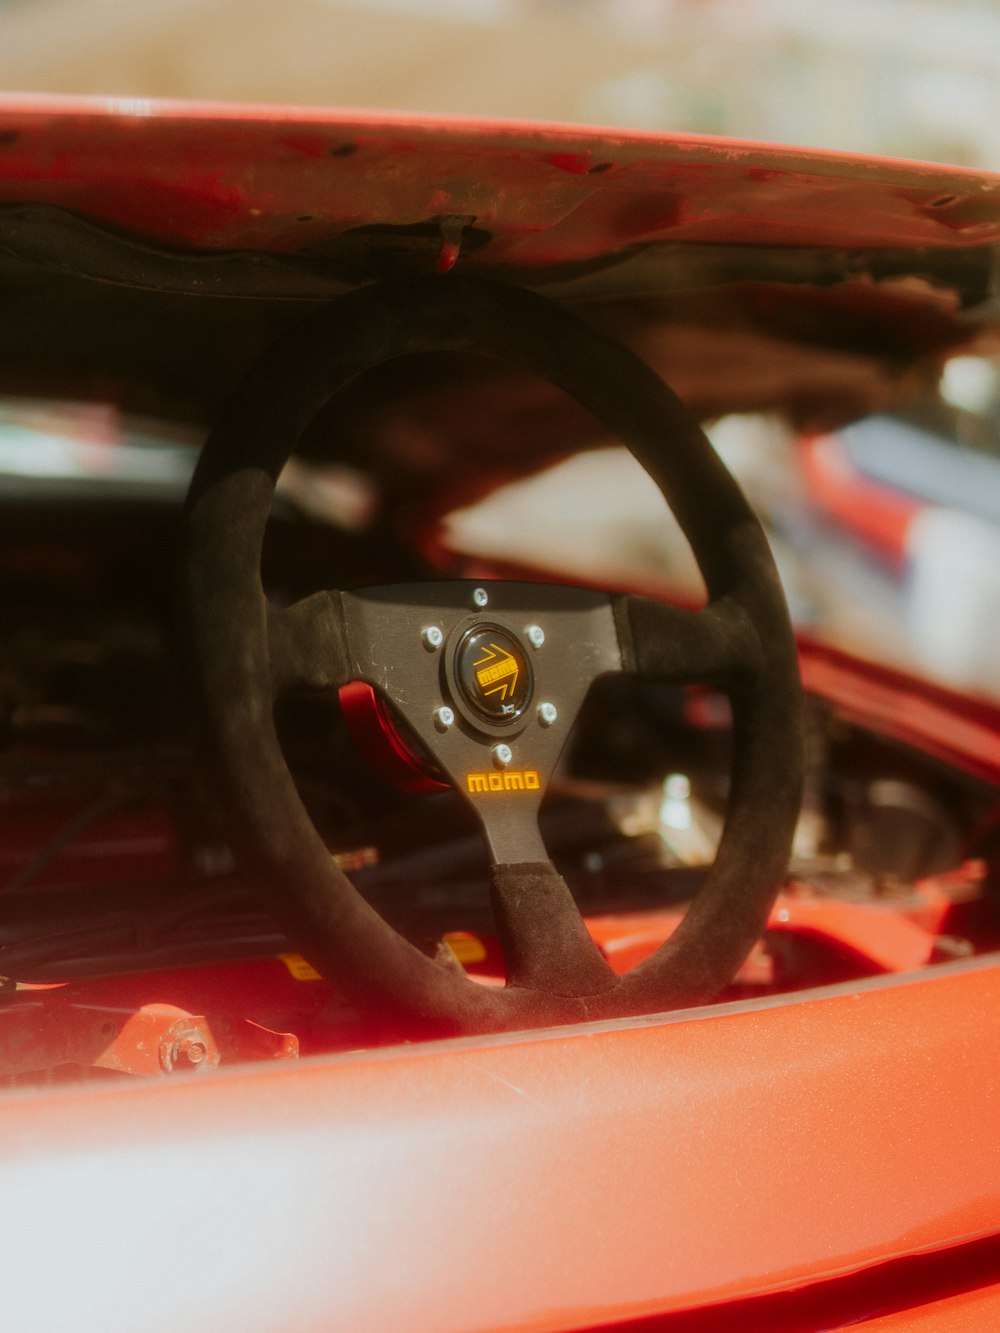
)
(547, 714)
(535, 635)
(502, 755)
(480, 597)
(432, 637)
(187, 1049)
(194, 1052)
(443, 718)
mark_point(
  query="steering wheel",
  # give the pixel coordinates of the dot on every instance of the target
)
(488, 676)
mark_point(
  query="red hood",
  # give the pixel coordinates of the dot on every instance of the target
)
(283, 180)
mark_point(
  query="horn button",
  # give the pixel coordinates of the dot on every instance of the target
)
(493, 674)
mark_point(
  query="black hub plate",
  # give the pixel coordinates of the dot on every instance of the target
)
(434, 647)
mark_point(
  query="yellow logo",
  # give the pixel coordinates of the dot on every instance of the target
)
(498, 672)
(486, 784)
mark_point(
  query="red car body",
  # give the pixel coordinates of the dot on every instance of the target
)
(196, 1142)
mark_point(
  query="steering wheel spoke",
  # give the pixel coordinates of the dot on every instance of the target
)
(545, 944)
(717, 645)
(307, 645)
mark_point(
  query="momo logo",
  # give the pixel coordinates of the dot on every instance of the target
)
(491, 784)
(497, 672)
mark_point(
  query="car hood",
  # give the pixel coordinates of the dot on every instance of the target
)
(150, 251)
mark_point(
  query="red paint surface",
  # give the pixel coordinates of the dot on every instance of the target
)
(955, 728)
(279, 179)
(549, 1181)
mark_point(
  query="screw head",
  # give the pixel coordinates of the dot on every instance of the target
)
(480, 597)
(444, 717)
(194, 1052)
(432, 637)
(188, 1049)
(502, 755)
(547, 714)
(535, 635)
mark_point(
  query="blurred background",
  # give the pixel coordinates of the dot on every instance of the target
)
(912, 78)
(888, 534)
(908, 77)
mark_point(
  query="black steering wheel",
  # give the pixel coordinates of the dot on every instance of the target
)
(488, 676)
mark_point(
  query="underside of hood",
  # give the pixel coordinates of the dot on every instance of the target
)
(149, 252)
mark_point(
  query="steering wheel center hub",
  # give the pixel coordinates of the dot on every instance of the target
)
(493, 674)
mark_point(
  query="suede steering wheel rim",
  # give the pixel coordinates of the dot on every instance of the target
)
(242, 655)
